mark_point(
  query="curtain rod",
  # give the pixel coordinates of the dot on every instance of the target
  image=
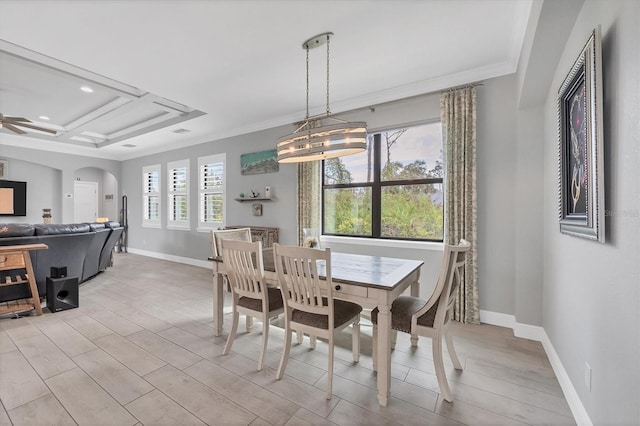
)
(464, 86)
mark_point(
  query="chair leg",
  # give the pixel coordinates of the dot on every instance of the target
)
(355, 342)
(414, 340)
(285, 352)
(299, 337)
(448, 338)
(374, 347)
(330, 370)
(312, 341)
(249, 323)
(265, 338)
(232, 332)
(394, 338)
(439, 367)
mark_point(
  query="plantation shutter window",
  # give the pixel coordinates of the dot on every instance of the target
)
(151, 196)
(212, 191)
(178, 194)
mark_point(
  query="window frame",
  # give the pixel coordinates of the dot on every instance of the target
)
(147, 194)
(173, 223)
(377, 185)
(211, 159)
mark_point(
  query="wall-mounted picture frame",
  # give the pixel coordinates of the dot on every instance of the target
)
(4, 169)
(259, 162)
(581, 174)
(257, 209)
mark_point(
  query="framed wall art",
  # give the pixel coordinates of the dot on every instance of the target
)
(581, 176)
(4, 169)
(259, 162)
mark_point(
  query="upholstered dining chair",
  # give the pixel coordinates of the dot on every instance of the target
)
(251, 295)
(309, 304)
(431, 317)
(239, 234)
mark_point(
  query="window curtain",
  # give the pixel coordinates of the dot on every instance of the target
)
(309, 187)
(458, 116)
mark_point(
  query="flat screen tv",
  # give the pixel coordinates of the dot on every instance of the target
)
(13, 198)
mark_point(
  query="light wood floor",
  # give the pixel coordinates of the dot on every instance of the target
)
(140, 350)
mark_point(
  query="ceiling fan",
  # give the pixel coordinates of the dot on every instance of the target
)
(14, 124)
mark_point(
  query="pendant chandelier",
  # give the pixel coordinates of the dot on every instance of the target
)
(321, 136)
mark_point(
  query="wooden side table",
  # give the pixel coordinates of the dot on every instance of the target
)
(15, 258)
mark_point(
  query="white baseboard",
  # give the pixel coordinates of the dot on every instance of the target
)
(573, 399)
(179, 259)
(537, 333)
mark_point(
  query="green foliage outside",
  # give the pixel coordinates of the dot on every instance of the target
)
(408, 211)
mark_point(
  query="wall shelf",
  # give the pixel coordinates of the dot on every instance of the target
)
(243, 200)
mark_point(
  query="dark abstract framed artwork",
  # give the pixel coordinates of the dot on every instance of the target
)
(581, 177)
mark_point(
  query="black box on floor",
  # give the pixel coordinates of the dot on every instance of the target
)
(62, 293)
(58, 271)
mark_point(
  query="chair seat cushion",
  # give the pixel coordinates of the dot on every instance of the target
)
(403, 309)
(275, 301)
(343, 312)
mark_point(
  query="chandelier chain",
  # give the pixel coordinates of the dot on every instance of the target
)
(328, 39)
(307, 49)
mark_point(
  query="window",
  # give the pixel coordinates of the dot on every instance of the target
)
(178, 192)
(212, 181)
(394, 189)
(151, 196)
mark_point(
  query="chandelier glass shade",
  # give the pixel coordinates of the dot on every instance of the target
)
(323, 136)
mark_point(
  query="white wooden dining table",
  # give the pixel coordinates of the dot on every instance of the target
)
(370, 281)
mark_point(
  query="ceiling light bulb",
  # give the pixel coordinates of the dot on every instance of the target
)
(44, 117)
(86, 89)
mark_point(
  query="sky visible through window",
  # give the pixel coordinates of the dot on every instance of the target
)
(422, 142)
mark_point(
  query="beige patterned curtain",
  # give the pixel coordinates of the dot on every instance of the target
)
(458, 115)
(309, 208)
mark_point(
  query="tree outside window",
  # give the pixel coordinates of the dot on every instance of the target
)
(394, 189)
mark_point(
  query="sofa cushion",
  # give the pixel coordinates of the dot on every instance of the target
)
(16, 230)
(96, 225)
(112, 224)
(51, 229)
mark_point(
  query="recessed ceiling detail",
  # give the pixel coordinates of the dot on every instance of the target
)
(33, 85)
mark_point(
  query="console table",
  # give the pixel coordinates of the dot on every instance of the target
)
(267, 235)
(15, 258)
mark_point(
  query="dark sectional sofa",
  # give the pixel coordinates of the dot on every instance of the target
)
(84, 248)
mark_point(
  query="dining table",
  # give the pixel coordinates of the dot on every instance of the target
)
(371, 281)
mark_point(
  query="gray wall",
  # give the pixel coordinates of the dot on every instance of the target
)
(43, 190)
(591, 291)
(53, 177)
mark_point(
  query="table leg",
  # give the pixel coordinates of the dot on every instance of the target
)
(384, 356)
(415, 292)
(218, 303)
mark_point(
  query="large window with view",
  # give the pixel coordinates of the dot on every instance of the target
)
(212, 181)
(393, 190)
(178, 194)
(151, 196)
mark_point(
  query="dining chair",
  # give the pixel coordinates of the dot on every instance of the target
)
(251, 296)
(309, 304)
(431, 318)
(239, 234)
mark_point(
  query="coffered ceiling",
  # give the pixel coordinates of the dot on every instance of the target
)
(170, 73)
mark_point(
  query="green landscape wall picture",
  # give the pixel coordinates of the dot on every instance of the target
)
(259, 162)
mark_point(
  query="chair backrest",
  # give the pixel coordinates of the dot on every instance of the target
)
(244, 264)
(217, 235)
(299, 270)
(451, 273)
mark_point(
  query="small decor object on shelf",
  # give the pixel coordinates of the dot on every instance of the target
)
(254, 194)
(46, 215)
(310, 238)
(257, 209)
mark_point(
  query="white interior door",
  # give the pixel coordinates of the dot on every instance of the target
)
(85, 204)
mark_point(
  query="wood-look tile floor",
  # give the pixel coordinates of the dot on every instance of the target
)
(140, 350)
